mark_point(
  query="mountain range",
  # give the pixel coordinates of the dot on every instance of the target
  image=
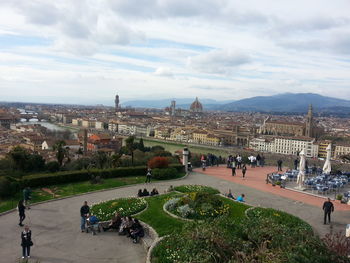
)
(286, 103)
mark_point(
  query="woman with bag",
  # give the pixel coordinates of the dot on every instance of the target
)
(26, 237)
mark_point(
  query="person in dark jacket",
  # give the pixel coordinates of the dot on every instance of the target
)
(233, 170)
(136, 231)
(139, 193)
(84, 213)
(27, 196)
(154, 192)
(145, 192)
(21, 212)
(279, 165)
(26, 237)
(328, 208)
(296, 164)
(244, 170)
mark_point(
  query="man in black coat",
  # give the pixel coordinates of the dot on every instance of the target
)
(26, 237)
(328, 208)
(84, 212)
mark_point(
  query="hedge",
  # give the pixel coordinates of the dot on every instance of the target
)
(38, 180)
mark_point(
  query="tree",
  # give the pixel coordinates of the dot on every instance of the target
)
(115, 160)
(60, 150)
(141, 145)
(100, 159)
(130, 145)
(19, 156)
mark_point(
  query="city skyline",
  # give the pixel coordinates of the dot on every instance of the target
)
(84, 54)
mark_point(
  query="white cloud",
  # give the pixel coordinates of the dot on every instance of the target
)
(218, 61)
(164, 72)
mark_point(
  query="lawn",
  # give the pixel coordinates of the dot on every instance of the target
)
(64, 190)
(158, 219)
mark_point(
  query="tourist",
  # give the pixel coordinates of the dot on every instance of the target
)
(122, 226)
(148, 175)
(244, 170)
(84, 212)
(26, 237)
(296, 164)
(21, 211)
(93, 223)
(230, 195)
(239, 162)
(241, 198)
(233, 170)
(27, 196)
(128, 224)
(154, 192)
(115, 222)
(139, 193)
(258, 159)
(262, 161)
(145, 192)
(136, 231)
(279, 165)
(328, 208)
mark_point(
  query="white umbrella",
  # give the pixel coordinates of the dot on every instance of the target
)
(301, 174)
(327, 168)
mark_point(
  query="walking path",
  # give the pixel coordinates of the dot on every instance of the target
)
(256, 178)
(57, 237)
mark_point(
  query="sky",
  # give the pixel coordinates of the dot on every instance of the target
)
(88, 51)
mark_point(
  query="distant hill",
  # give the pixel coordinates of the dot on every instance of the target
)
(287, 102)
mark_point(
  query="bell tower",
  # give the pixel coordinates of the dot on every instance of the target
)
(116, 101)
(309, 123)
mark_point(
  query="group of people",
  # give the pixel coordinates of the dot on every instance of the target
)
(125, 225)
(240, 198)
(26, 234)
(256, 161)
(143, 193)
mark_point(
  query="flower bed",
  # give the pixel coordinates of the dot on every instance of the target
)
(197, 205)
(279, 217)
(257, 239)
(124, 206)
(196, 188)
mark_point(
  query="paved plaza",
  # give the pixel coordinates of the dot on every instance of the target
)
(56, 225)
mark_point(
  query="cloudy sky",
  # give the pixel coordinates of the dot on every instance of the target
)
(86, 51)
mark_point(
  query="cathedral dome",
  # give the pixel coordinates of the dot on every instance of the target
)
(196, 106)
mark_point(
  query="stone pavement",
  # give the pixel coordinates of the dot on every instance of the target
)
(57, 237)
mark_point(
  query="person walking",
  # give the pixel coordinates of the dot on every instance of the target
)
(279, 165)
(328, 208)
(258, 159)
(148, 175)
(21, 211)
(296, 164)
(26, 237)
(244, 170)
(84, 213)
(233, 170)
(27, 196)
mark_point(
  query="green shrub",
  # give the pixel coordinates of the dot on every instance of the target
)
(164, 173)
(8, 186)
(53, 166)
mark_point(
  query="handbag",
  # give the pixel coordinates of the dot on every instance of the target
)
(31, 243)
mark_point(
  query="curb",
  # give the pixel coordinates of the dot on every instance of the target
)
(177, 217)
(154, 244)
(87, 193)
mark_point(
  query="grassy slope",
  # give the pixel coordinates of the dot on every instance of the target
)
(71, 189)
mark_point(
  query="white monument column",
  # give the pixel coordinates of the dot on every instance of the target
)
(327, 168)
(301, 174)
(185, 158)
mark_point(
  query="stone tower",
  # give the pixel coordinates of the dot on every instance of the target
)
(309, 123)
(116, 101)
(172, 107)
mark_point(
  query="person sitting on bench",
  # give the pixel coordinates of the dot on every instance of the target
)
(154, 192)
(115, 222)
(136, 231)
